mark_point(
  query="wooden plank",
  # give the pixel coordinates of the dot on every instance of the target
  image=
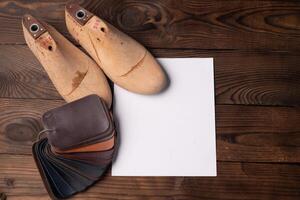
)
(258, 134)
(22, 76)
(19, 179)
(244, 133)
(250, 77)
(202, 24)
(20, 123)
(241, 77)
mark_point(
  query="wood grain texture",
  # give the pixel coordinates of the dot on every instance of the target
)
(21, 122)
(22, 76)
(258, 134)
(233, 24)
(256, 78)
(20, 180)
(250, 77)
(244, 133)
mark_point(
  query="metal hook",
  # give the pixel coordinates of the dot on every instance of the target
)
(43, 131)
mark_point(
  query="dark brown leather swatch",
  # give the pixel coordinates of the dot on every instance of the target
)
(82, 122)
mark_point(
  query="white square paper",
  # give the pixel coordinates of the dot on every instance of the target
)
(171, 133)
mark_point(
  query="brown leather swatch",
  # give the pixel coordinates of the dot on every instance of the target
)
(79, 123)
(101, 146)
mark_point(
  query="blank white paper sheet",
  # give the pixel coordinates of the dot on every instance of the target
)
(171, 133)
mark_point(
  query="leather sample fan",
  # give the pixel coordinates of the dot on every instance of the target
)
(78, 148)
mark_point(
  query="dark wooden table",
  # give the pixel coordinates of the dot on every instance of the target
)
(257, 76)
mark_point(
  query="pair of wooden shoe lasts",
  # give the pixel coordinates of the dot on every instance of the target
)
(74, 74)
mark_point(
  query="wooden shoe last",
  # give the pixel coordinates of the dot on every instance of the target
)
(73, 73)
(124, 60)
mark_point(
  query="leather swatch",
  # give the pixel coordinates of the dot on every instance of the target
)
(101, 146)
(78, 148)
(82, 122)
